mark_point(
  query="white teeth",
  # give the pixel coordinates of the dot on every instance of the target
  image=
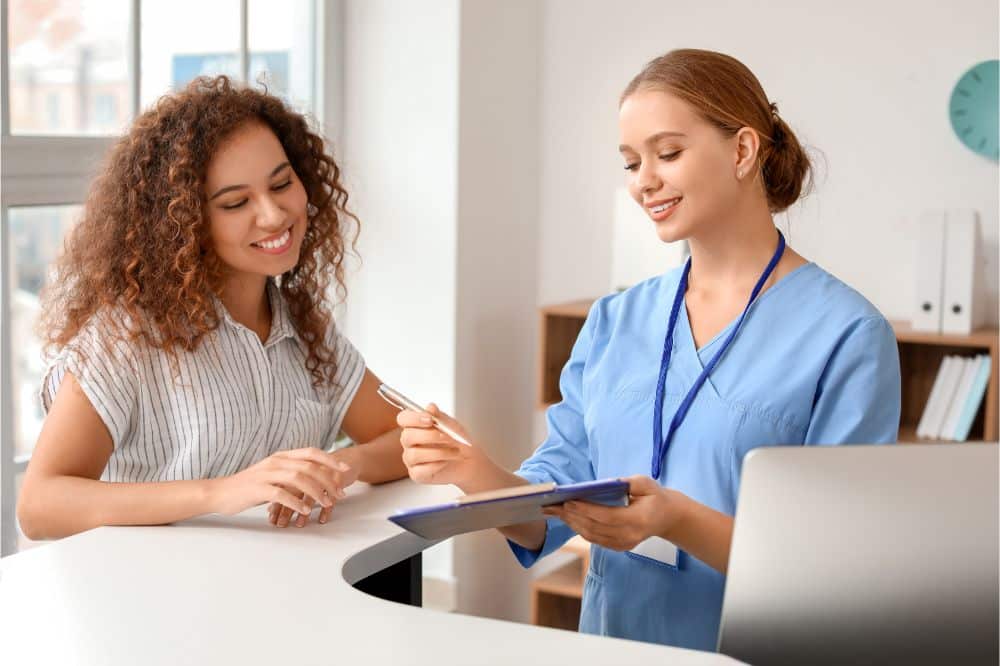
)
(663, 207)
(277, 242)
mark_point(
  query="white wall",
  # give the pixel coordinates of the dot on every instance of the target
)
(497, 270)
(867, 83)
(400, 163)
(440, 141)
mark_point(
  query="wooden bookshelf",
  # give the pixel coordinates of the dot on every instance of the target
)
(920, 356)
(556, 596)
(560, 326)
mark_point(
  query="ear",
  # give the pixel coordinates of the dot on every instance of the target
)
(747, 149)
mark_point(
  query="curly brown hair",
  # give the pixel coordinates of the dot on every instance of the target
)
(142, 247)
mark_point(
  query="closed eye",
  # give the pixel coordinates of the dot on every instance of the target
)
(274, 188)
(670, 157)
(632, 167)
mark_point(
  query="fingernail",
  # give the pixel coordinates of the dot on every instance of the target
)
(340, 495)
(343, 467)
(322, 521)
(426, 420)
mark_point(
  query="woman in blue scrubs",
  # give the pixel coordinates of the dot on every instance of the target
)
(673, 381)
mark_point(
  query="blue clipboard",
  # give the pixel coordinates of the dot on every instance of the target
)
(508, 506)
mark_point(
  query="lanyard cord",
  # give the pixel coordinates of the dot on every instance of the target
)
(662, 444)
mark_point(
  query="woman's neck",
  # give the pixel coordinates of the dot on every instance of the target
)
(730, 256)
(245, 298)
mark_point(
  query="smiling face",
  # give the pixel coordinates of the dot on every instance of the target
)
(680, 169)
(256, 204)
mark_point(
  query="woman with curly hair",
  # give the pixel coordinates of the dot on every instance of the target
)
(197, 365)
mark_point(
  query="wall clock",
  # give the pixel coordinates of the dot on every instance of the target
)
(974, 109)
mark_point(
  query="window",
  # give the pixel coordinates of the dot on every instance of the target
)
(62, 54)
(74, 73)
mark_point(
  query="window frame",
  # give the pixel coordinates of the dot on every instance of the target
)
(48, 170)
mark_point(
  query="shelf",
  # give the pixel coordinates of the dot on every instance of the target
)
(566, 581)
(556, 596)
(984, 338)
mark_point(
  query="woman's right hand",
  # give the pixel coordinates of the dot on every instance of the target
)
(297, 479)
(433, 457)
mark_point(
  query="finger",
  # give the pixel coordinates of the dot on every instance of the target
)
(605, 515)
(425, 455)
(304, 517)
(324, 514)
(310, 479)
(332, 481)
(311, 454)
(444, 418)
(408, 418)
(574, 517)
(642, 485)
(284, 516)
(286, 499)
(426, 473)
(423, 437)
(616, 537)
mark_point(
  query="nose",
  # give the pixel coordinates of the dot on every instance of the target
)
(270, 216)
(646, 179)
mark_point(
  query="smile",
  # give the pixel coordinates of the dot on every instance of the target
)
(660, 211)
(275, 245)
(664, 206)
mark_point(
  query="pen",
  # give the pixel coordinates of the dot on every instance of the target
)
(400, 401)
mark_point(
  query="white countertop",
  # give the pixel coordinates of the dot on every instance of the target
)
(236, 590)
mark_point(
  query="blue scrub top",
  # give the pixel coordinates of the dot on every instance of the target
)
(814, 363)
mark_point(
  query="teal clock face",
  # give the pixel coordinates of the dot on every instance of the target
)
(974, 109)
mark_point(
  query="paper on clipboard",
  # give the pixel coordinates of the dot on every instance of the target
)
(507, 506)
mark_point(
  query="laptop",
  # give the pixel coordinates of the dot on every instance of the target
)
(865, 555)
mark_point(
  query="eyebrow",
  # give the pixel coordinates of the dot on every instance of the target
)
(653, 139)
(230, 188)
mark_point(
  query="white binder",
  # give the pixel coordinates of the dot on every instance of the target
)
(950, 424)
(924, 426)
(952, 374)
(929, 271)
(960, 310)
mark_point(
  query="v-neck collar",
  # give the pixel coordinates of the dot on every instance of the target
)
(685, 323)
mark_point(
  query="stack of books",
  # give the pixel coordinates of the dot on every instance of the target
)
(955, 398)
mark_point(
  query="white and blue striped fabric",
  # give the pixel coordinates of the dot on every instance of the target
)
(231, 402)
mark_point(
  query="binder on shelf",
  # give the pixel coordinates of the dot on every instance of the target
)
(976, 392)
(967, 374)
(930, 271)
(960, 307)
(952, 373)
(923, 427)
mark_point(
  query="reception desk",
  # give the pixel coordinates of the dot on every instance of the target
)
(236, 590)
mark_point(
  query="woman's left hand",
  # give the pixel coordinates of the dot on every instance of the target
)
(652, 511)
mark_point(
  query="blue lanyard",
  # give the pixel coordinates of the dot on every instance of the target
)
(661, 444)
